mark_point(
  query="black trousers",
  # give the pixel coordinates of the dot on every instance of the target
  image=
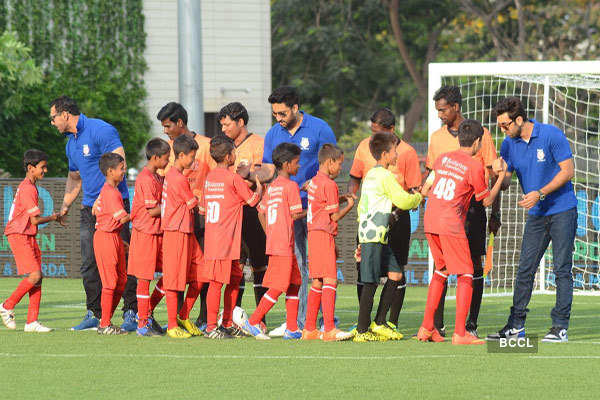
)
(89, 270)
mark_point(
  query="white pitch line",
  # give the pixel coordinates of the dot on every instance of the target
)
(565, 357)
(236, 357)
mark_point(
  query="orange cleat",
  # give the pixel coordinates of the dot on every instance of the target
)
(467, 339)
(311, 335)
(336, 335)
(425, 335)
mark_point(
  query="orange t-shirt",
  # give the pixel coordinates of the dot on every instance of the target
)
(148, 192)
(407, 170)
(109, 209)
(249, 151)
(442, 141)
(24, 205)
(177, 203)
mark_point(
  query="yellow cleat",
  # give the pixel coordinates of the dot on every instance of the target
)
(383, 332)
(189, 327)
(178, 333)
(393, 327)
(365, 337)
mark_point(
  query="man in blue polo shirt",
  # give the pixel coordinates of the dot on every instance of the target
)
(541, 157)
(88, 139)
(310, 134)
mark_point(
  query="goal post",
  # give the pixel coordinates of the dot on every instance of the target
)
(562, 93)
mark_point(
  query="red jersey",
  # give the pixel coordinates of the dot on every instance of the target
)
(25, 205)
(177, 203)
(323, 200)
(148, 191)
(278, 204)
(223, 198)
(458, 177)
(109, 209)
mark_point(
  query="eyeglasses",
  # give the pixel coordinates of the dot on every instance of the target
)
(505, 127)
(281, 114)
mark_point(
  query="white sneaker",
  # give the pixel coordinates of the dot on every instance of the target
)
(35, 326)
(8, 317)
(278, 332)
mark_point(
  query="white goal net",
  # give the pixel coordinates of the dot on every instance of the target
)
(564, 94)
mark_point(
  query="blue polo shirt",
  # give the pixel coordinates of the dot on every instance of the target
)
(94, 138)
(312, 134)
(536, 164)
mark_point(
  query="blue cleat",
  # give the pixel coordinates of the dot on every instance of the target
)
(288, 335)
(89, 322)
(155, 326)
(147, 330)
(255, 331)
(129, 321)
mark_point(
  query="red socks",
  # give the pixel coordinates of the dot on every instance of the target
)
(143, 300)
(192, 294)
(436, 287)
(106, 303)
(172, 308)
(157, 295)
(312, 308)
(35, 296)
(266, 303)
(229, 301)
(291, 308)
(464, 292)
(213, 302)
(328, 305)
(16, 296)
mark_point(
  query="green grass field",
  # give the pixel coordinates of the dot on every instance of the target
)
(66, 365)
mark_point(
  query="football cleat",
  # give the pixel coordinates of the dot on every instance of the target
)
(384, 331)
(467, 339)
(336, 335)
(365, 337)
(255, 331)
(189, 327)
(147, 330)
(156, 328)
(8, 317)
(425, 335)
(178, 333)
(289, 335)
(130, 321)
(234, 331)
(218, 333)
(35, 326)
(89, 322)
(111, 330)
(279, 331)
(311, 335)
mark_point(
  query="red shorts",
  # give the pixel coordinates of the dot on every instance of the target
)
(282, 272)
(321, 255)
(182, 260)
(110, 257)
(28, 256)
(450, 252)
(224, 271)
(145, 255)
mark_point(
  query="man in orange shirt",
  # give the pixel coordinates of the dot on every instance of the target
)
(448, 100)
(248, 152)
(408, 174)
(173, 117)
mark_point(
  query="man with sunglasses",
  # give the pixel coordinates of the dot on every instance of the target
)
(448, 100)
(310, 134)
(541, 157)
(87, 140)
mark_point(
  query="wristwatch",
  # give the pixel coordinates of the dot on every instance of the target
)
(542, 195)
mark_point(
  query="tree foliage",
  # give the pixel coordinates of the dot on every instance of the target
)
(90, 50)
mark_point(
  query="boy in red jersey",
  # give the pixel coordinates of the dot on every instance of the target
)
(182, 256)
(322, 218)
(145, 250)
(224, 196)
(108, 245)
(23, 220)
(278, 209)
(456, 177)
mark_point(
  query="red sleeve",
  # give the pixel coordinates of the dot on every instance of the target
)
(293, 198)
(477, 180)
(262, 206)
(331, 198)
(183, 190)
(113, 205)
(202, 204)
(242, 189)
(29, 199)
(145, 190)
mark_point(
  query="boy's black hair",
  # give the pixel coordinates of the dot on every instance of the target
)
(330, 151)
(380, 142)
(173, 111)
(235, 111)
(384, 117)
(33, 157)
(287, 95)
(511, 105)
(285, 152)
(157, 147)
(109, 160)
(449, 93)
(220, 147)
(184, 144)
(468, 132)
